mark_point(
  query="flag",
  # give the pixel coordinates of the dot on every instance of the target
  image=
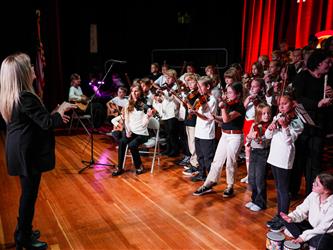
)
(40, 61)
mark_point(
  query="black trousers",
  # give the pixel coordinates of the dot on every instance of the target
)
(320, 242)
(29, 193)
(183, 138)
(308, 159)
(205, 150)
(172, 130)
(257, 176)
(133, 144)
(282, 180)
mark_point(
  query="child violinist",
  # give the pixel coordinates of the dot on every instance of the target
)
(256, 96)
(204, 108)
(232, 119)
(258, 158)
(283, 131)
(190, 122)
(168, 107)
(136, 131)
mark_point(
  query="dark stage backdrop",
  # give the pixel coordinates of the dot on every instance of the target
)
(126, 30)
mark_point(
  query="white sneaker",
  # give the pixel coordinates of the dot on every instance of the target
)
(150, 143)
(245, 179)
(249, 204)
(255, 208)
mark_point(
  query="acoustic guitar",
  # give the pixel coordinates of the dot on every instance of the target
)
(113, 109)
(81, 104)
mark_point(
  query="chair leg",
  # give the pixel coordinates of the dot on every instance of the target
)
(124, 161)
(154, 155)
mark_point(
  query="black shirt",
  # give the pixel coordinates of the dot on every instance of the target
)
(237, 123)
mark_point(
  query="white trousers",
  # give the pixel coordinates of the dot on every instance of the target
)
(191, 145)
(227, 151)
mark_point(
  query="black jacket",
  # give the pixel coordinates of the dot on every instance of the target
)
(30, 144)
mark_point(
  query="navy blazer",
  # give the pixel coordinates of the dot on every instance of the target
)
(30, 143)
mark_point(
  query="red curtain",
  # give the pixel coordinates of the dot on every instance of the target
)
(258, 29)
(329, 16)
(266, 22)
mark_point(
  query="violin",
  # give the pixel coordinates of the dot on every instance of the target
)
(288, 116)
(192, 94)
(182, 87)
(228, 103)
(202, 100)
(158, 90)
(260, 129)
(256, 100)
(232, 102)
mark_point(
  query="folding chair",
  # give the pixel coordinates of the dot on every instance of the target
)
(79, 119)
(153, 125)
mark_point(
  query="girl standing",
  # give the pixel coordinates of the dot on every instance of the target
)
(258, 158)
(256, 96)
(283, 131)
(232, 112)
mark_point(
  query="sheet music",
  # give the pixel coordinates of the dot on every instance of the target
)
(303, 115)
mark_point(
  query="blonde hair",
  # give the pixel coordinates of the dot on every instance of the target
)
(16, 75)
(171, 73)
(258, 111)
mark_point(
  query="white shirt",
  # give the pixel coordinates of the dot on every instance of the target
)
(136, 122)
(282, 151)
(75, 93)
(205, 129)
(120, 102)
(161, 80)
(167, 109)
(320, 216)
(250, 111)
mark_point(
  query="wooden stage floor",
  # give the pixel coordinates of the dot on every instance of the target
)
(94, 210)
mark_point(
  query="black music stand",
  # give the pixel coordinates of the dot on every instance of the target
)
(91, 162)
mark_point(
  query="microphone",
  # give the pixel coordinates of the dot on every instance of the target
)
(116, 61)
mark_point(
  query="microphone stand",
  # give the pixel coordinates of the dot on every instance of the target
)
(91, 162)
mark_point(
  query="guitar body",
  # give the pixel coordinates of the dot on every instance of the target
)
(83, 107)
(82, 104)
(113, 109)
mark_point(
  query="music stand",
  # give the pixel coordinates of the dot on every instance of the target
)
(91, 162)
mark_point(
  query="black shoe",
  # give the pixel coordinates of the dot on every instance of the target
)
(119, 171)
(140, 170)
(24, 239)
(272, 221)
(184, 161)
(277, 226)
(198, 178)
(228, 192)
(202, 190)
(32, 245)
(193, 171)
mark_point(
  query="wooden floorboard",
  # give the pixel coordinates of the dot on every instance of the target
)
(94, 210)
